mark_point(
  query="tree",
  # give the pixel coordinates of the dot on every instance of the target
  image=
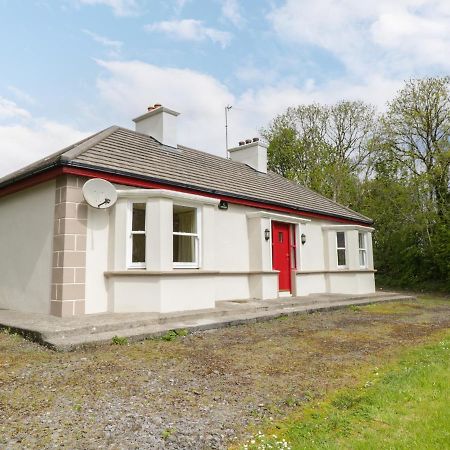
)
(323, 147)
(394, 169)
(416, 132)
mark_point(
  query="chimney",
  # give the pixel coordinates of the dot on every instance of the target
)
(251, 152)
(160, 123)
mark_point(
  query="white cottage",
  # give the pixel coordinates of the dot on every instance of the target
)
(188, 229)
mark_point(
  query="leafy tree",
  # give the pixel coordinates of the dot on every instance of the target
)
(416, 132)
(394, 169)
(323, 147)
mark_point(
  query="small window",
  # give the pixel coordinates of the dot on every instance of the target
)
(185, 236)
(138, 235)
(362, 249)
(340, 243)
(280, 237)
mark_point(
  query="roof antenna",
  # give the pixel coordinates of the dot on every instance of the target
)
(227, 108)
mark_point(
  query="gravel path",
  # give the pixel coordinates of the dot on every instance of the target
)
(202, 391)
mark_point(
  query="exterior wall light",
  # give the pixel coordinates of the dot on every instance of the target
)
(303, 239)
(223, 205)
(266, 234)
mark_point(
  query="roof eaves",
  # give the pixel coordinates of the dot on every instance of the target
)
(361, 218)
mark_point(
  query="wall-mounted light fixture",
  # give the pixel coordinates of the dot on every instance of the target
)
(303, 239)
(266, 234)
(223, 205)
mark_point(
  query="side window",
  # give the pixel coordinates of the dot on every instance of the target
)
(185, 236)
(137, 235)
(362, 244)
(340, 246)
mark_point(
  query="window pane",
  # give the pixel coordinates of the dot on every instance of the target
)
(184, 219)
(138, 217)
(138, 255)
(361, 240)
(184, 248)
(341, 257)
(340, 236)
(362, 258)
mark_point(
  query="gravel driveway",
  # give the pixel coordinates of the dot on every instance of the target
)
(204, 390)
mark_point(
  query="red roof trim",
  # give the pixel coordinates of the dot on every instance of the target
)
(130, 181)
(31, 181)
(135, 182)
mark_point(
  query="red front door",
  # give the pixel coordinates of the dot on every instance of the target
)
(281, 259)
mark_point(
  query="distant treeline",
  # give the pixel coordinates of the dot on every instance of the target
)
(392, 167)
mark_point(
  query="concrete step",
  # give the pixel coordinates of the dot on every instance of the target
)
(197, 322)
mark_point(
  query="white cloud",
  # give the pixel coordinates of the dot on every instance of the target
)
(9, 110)
(190, 30)
(25, 139)
(201, 99)
(114, 47)
(119, 7)
(21, 95)
(375, 35)
(231, 11)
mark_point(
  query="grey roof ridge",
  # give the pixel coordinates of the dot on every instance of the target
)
(80, 147)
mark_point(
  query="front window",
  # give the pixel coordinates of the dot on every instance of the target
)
(362, 249)
(137, 235)
(340, 244)
(185, 236)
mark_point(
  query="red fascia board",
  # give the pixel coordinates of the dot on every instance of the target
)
(31, 181)
(135, 182)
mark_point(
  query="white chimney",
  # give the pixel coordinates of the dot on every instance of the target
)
(160, 123)
(251, 152)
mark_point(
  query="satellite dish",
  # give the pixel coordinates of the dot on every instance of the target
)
(99, 193)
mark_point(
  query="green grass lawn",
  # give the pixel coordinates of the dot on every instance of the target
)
(405, 405)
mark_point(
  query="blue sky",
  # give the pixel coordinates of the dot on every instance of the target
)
(72, 67)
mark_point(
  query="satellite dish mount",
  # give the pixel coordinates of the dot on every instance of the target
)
(99, 193)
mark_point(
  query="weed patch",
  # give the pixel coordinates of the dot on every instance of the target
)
(118, 340)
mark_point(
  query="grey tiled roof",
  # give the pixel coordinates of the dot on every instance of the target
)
(134, 154)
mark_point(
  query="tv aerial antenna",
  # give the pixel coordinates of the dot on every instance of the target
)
(227, 108)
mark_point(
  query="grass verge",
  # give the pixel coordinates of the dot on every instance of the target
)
(402, 406)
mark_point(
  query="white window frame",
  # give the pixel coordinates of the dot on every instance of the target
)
(197, 238)
(362, 250)
(130, 233)
(341, 266)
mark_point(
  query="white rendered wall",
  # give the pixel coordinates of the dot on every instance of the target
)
(97, 243)
(231, 244)
(26, 233)
(232, 287)
(232, 248)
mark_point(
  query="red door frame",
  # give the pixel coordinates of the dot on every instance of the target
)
(282, 247)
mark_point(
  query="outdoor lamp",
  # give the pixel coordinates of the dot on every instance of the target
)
(266, 234)
(223, 205)
(303, 239)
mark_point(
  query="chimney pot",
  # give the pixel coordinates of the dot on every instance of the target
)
(253, 154)
(255, 139)
(157, 105)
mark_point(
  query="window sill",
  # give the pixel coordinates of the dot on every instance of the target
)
(149, 273)
(343, 270)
